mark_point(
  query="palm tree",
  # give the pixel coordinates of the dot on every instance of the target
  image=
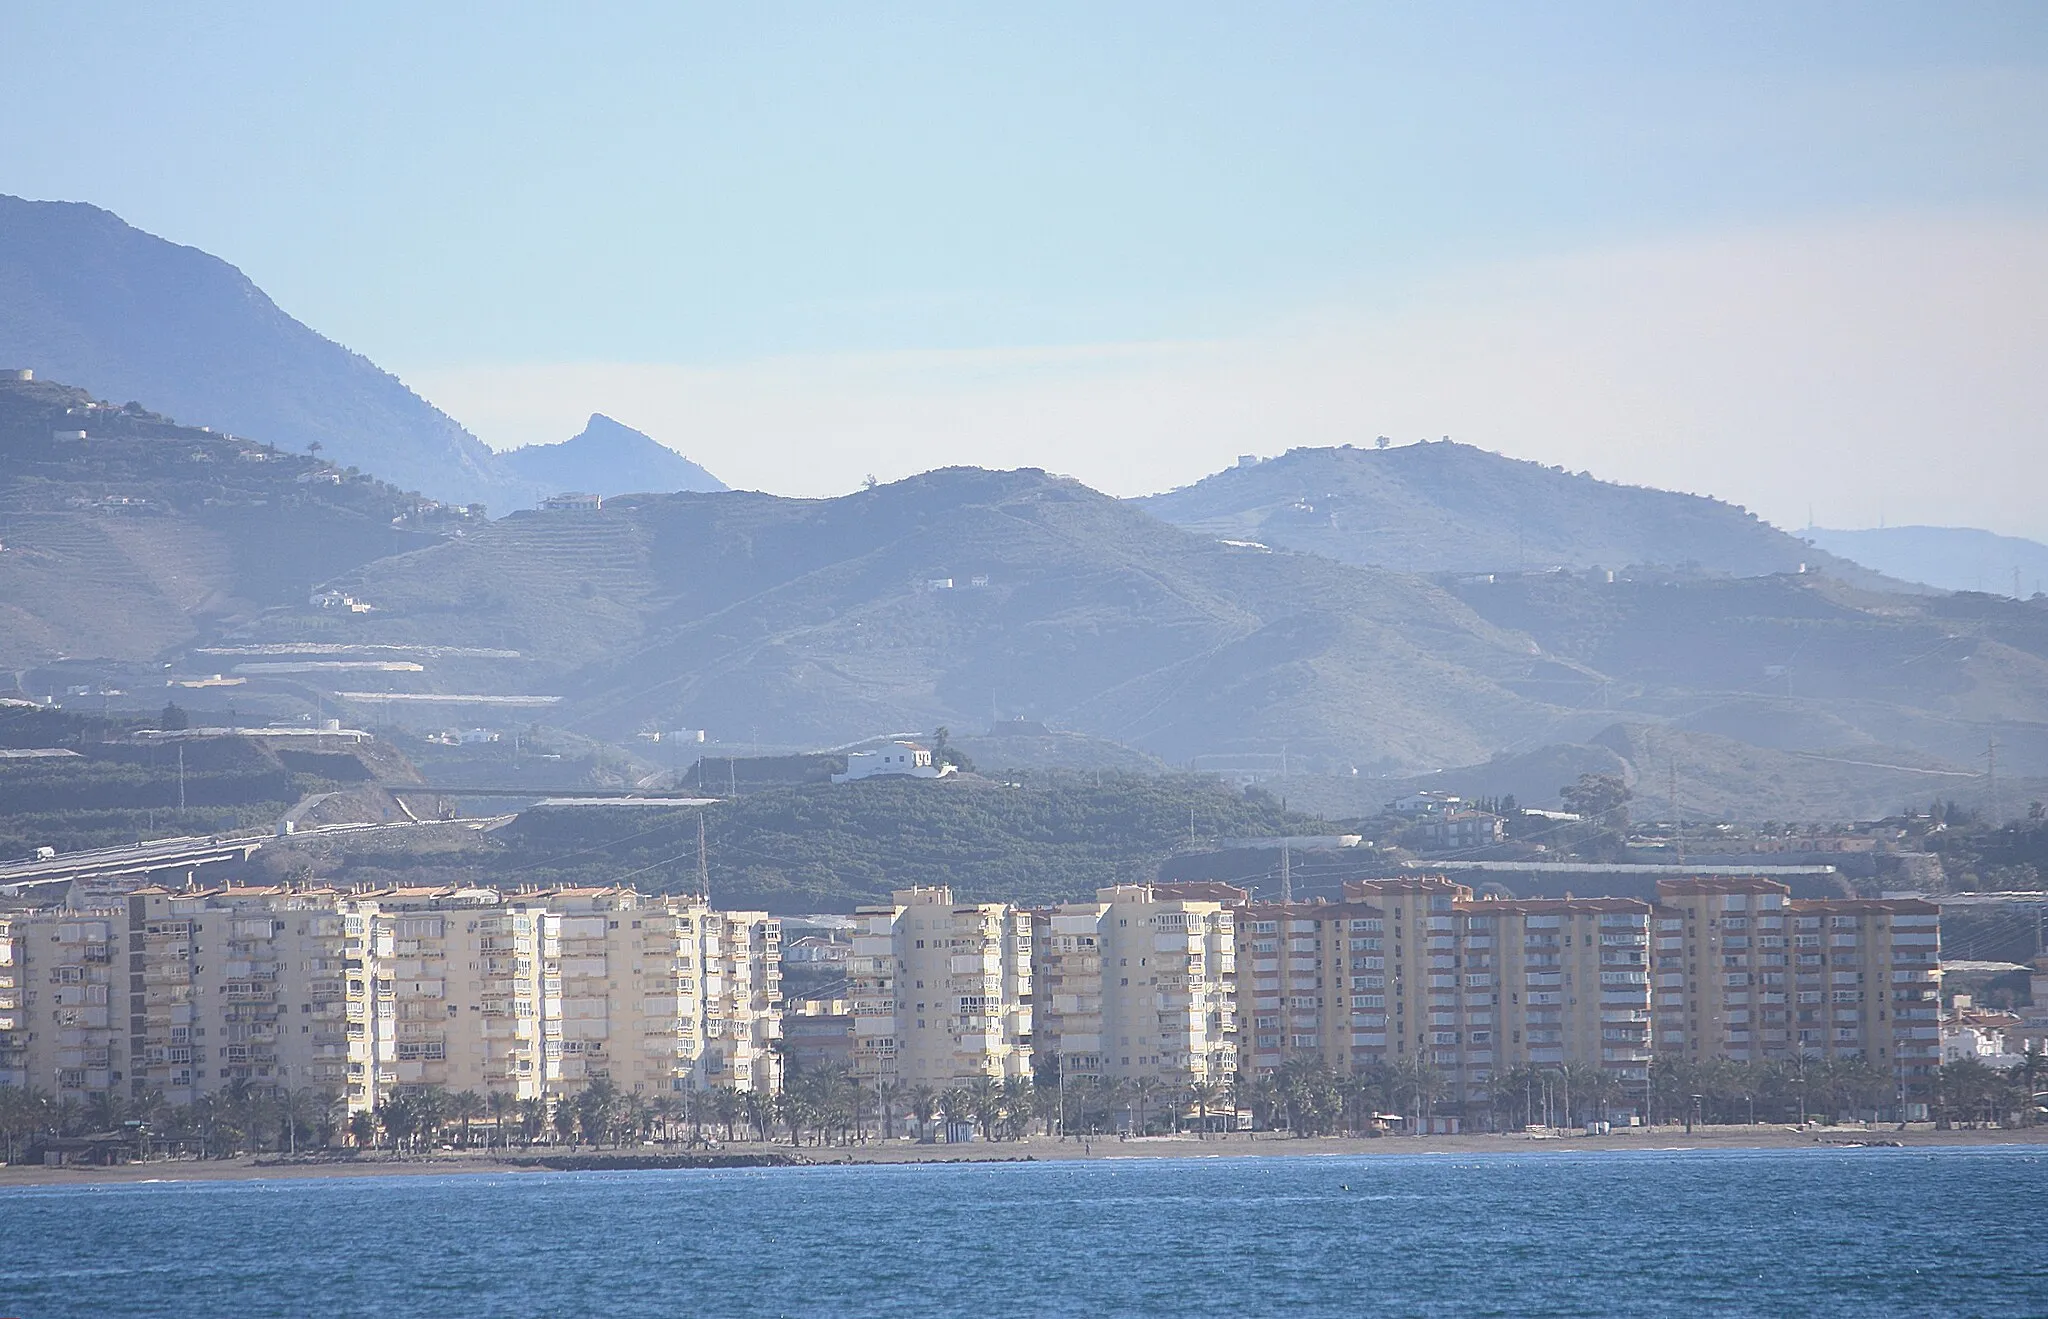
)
(889, 1097)
(959, 1107)
(300, 1108)
(362, 1129)
(924, 1105)
(497, 1104)
(1020, 1102)
(1204, 1095)
(1423, 1085)
(533, 1119)
(465, 1106)
(1146, 1091)
(985, 1102)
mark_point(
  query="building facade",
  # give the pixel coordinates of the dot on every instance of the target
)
(1745, 972)
(942, 991)
(365, 995)
(1141, 982)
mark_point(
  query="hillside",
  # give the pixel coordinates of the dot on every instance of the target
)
(605, 458)
(1797, 663)
(936, 599)
(146, 535)
(89, 299)
(1952, 558)
(823, 848)
(1453, 508)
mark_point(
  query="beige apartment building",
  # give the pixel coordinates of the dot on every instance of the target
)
(1140, 982)
(1418, 970)
(942, 991)
(368, 994)
(61, 1027)
(1747, 973)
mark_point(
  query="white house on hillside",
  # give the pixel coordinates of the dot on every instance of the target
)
(904, 759)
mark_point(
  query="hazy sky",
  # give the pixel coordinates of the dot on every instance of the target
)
(1793, 255)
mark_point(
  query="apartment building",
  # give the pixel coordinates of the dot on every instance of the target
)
(540, 994)
(1573, 977)
(1140, 982)
(1312, 980)
(1418, 970)
(60, 1028)
(1747, 973)
(942, 991)
(420, 964)
(368, 994)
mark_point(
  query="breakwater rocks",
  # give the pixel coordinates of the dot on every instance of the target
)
(644, 1162)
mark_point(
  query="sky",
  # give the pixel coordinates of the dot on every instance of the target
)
(1793, 255)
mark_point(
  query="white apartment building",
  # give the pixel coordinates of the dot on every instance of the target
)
(1140, 982)
(942, 991)
(368, 994)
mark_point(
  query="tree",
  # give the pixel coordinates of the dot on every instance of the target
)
(958, 1105)
(923, 1105)
(464, 1107)
(173, 719)
(1601, 802)
(1203, 1096)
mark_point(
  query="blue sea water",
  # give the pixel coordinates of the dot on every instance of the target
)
(1806, 1232)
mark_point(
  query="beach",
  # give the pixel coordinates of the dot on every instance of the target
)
(1033, 1149)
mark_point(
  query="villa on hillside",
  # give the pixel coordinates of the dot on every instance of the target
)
(901, 759)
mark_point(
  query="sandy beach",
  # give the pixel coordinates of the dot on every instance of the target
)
(1037, 1148)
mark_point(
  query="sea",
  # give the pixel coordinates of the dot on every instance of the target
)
(1823, 1232)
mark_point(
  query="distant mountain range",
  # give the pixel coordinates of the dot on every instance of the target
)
(1452, 508)
(1342, 617)
(606, 458)
(1952, 558)
(92, 301)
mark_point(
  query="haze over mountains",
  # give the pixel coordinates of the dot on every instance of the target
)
(94, 302)
(1951, 558)
(1342, 613)
(604, 458)
(1451, 508)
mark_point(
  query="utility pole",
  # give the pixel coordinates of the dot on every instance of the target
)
(1991, 780)
(181, 778)
(703, 861)
(1286, 875)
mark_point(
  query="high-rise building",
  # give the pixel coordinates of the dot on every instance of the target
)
(1140, 982)
(1745, 972)
(1417, 971)
(942, 991)
(366, 995)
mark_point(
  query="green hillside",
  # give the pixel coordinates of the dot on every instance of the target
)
(824, 848)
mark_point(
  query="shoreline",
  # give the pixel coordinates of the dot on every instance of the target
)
(1036, 1149)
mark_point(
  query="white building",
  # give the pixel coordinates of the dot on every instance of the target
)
(899, 759)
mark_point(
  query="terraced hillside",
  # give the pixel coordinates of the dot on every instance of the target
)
(934, 599)
(1453, 508)
(146, 535)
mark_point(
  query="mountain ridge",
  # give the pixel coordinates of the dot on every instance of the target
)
(87, 298)
(605, 458)
(1445, 507)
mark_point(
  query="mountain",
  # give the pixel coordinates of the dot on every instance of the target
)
(605, 459)
(1452, 508)
(144, 535)
(88, 299)
(932, 600)
(1952, 558)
